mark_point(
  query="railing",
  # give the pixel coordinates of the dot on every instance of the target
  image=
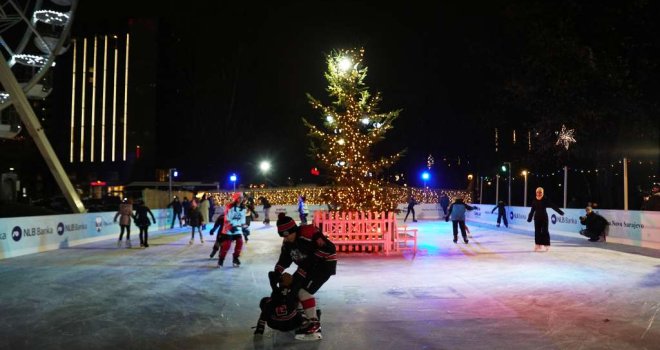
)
(368, 232)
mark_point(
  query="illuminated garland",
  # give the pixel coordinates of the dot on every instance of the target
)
(315, 195)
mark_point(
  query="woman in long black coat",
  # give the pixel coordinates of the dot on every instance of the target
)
(142, 221)
(540, 216)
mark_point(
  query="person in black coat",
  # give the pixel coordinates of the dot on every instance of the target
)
(177, 208)
(142, 222)
(444, 203)
(411, 208)
(280, 310)
(595, 223)
(501, 213)
(540, 216)
(195, 219)
(264, 201)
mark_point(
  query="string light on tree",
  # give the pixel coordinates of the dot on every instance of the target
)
(346, 139)
(565, 137)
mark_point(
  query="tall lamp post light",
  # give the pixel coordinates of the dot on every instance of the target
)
(172, 172)
(524, 173)
(504, 168)
(425, 177)
(233, 178)
(264, 166)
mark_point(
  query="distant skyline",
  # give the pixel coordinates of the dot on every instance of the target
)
(230, 82)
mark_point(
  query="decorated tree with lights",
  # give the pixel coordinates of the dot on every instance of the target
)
(352, 124)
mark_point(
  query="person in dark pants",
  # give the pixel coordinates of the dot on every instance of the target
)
(264, 201)
(457, 214)
(186, 209)
(444, 203)
(125, 213)
(501, 213)
(540, 216)
(595, 223)
(280, 310)
(142, 221)
(177, 208)
(195, 220)
(219, 223)
(411, 208)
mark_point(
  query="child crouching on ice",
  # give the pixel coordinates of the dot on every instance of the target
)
(280, 310)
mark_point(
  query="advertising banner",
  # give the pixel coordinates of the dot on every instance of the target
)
(33, 234)
(27, 235)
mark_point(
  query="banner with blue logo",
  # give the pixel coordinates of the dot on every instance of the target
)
(27, 235)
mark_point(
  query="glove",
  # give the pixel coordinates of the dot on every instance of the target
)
(274, 278)
(447, 218)
(529, 218)
(259, 329)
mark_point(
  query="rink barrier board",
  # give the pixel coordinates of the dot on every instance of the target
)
(34, 234)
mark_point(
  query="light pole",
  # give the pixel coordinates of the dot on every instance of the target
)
(171, 172)
(233, 178)
(497, 188)
(505, 168)
(425, 177)
(525, 196)
(264, 166)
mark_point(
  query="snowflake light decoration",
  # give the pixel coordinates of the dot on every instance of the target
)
(565, 137)
(430, 161)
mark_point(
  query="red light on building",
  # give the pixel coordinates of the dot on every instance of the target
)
(138, 152)
(98, 183)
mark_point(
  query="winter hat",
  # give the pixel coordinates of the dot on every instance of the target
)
(236, 196)
(285, 225)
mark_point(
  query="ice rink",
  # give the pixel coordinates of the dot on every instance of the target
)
(493, 293)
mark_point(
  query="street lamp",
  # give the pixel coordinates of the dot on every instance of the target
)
(525, 200)
(233, 178)
(425, 177)
(504, 168)
(171, 172)
(264, 166)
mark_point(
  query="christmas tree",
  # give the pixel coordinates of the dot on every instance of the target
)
(352, 124)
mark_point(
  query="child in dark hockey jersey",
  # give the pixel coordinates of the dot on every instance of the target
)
(316, 259)
(280, 310)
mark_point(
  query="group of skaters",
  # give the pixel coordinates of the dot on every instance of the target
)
(141, 218)
(291, 306)
(595, 223)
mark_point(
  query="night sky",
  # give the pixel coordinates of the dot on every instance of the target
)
(231, 79)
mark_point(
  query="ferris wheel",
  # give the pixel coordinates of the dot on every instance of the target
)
(32, 34)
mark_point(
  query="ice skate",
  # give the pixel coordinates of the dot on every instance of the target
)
(236, 262)
(310, 332)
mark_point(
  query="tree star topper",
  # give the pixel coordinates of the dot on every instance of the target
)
(565, 137)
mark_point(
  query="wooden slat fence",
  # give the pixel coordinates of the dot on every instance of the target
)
(358, 231)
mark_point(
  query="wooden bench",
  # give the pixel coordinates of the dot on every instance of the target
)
(357, 231)
(403, 236)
